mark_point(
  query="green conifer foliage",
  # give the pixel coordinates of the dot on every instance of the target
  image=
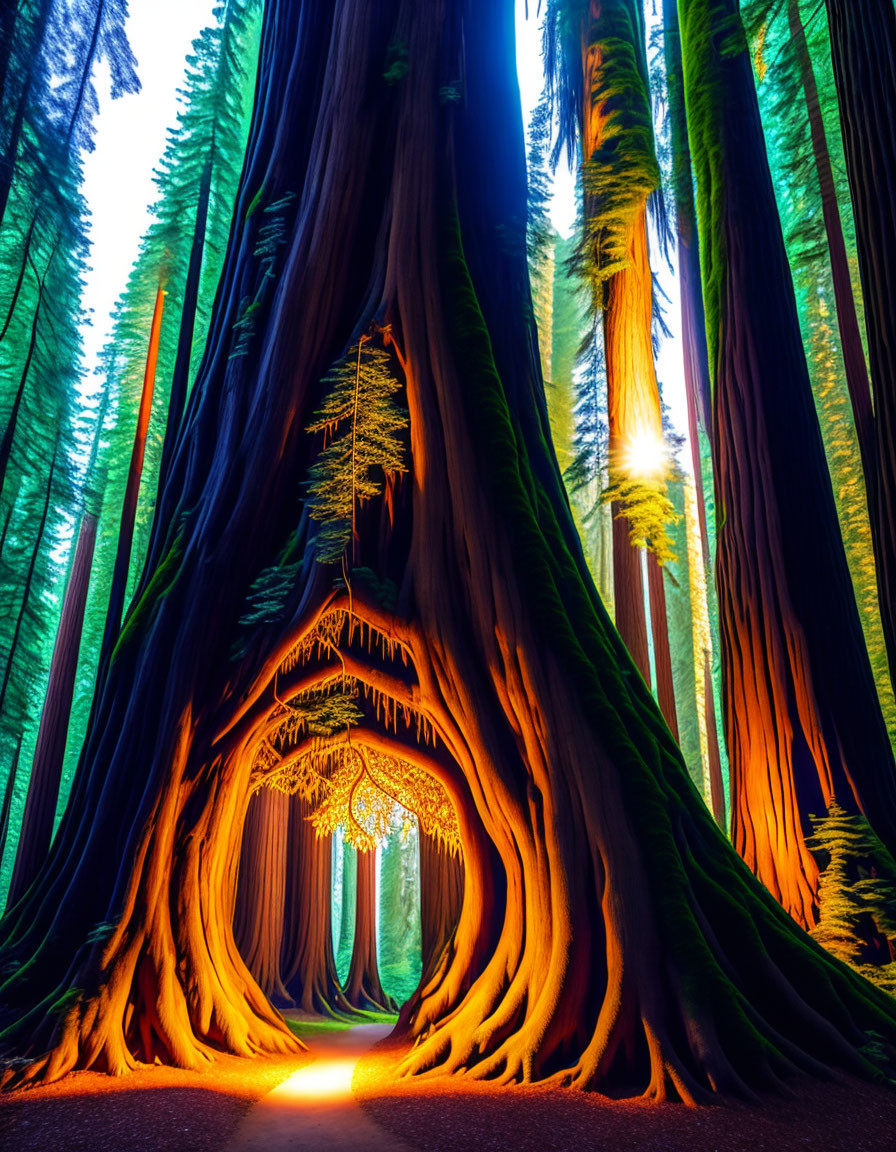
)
(857, 905)
(360, 423)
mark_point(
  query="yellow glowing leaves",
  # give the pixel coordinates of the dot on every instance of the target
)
(366, 786)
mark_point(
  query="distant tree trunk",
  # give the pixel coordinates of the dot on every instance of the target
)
(347, 908)
(260, 890)
(308, 965)
(132, 492)
(441, 898)
(803, 722)
(863, 52)
(628, 593)
(363, 988)
(662, 655)
(8, 793)
(49, 752)
(698, 387)
(29, 577)
(180, 379)
(847, 318)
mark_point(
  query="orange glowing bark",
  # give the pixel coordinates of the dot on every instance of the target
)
(261, 888)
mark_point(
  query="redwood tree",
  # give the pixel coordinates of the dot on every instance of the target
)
(608, 934)
(802, 719)
(363, 988)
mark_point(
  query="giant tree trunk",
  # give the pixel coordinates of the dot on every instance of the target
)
(698, 389)
(49, 752)
(363, 988)
(308, 965)
(803, 722)
(261, 888)
(863, 52)
(441, 898)
(608, 934)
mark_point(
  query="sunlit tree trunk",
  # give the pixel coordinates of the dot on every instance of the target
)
(261, 886)
(863, 52)
(609, 936)
(307, 964)
(49, 751)
(803, 723)
(363, 988)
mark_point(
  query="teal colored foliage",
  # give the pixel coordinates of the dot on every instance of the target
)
(47, 421)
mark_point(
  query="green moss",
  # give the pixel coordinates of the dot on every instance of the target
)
(159, 586)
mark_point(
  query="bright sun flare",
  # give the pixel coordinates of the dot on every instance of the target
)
(645, 455)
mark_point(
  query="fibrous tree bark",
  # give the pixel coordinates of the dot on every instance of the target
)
(441, 897)
(49, 751)
(308, 965)
(863, 53)
(698, 389)
(260, 891)
(363, 988)
(803, 723)
(609, 936)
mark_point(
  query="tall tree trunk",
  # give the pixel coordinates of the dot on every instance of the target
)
(347, 909)
(49, 752)
(29, 577)
(698, 388)
(609, 936)
(363, 988)
(261, 888)
(180, 379)
(628, 593)
(132, 492)
(803, 723)
(662, 655)
(8, 793)
(308, 964)
(441, 899)
(863, 52)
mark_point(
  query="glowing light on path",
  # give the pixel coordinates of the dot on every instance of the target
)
(324, 1079)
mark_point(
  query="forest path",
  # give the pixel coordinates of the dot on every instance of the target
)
(315, 1110)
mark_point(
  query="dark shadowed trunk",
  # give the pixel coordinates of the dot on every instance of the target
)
(308, 964)
(260, 890)
(863, 52)
(609, 936)
(698, 388)
(363, 988)
(803, 723)
(49, 751)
